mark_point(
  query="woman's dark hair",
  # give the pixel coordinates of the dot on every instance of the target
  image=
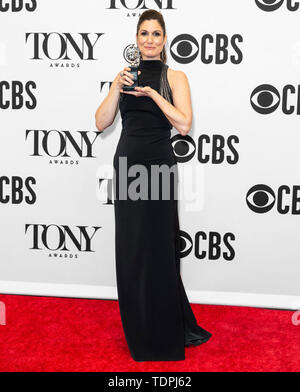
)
(150, 15)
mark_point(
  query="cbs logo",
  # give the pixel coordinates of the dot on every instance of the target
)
(218, 49)
(273, 5)
(211, 245)
(18, 5)
(15, 94)
(215, 149)
(261, 199)
(265, 99)
(16, 190)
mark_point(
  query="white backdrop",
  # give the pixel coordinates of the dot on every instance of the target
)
(240, 241)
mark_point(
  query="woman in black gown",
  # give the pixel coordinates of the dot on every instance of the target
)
(156, 315)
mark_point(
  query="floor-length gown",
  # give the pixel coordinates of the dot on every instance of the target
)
(157, 318)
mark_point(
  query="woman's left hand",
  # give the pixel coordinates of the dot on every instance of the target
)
(140, 91)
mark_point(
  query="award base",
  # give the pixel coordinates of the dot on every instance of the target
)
(134, 72)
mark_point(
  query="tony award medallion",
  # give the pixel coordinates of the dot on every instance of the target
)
(132, 56)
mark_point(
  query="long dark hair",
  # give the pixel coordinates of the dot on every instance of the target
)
(149, 15)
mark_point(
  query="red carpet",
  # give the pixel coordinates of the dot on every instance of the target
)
(67, 334)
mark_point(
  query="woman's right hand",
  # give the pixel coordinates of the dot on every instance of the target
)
(125, 78)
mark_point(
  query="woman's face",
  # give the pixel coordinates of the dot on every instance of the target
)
(150, 40)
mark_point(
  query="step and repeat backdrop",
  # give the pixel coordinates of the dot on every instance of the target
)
(238, 166)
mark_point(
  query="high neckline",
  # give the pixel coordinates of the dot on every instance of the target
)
(151, 64)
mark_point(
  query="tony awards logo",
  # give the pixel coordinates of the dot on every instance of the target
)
(133, 56)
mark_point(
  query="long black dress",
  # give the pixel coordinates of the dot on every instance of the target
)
(157, 318)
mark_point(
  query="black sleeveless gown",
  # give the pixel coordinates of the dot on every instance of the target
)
(157, 318)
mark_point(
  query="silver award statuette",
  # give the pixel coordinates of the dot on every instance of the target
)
(132, 56)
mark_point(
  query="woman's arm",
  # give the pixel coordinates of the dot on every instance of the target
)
(180, 115)
(108, 109)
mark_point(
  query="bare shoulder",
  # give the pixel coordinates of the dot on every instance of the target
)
(175, 76)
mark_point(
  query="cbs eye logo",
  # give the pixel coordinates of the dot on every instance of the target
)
(184, 148)
(261, 199)
(273, 5)
(186, 243)
(184, 48)
(265, 99)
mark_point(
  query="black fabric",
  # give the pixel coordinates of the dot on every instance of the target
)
(157, 318)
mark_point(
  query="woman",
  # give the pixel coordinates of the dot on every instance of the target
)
(157, 318)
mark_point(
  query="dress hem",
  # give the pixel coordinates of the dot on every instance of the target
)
(153, 360)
